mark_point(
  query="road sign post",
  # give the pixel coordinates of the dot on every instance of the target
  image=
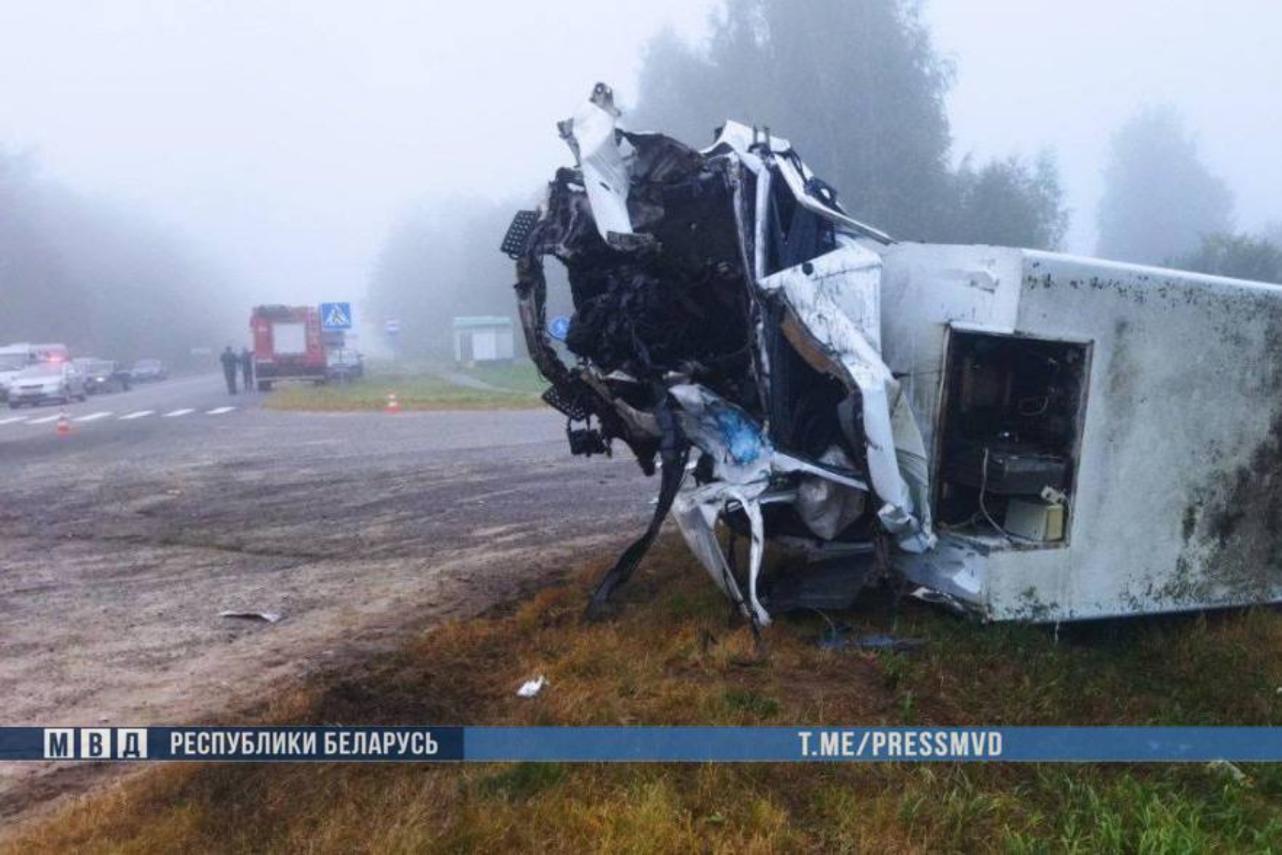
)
(392, 328)
(559, 327)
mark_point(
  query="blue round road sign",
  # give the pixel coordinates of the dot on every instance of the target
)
(559, 327)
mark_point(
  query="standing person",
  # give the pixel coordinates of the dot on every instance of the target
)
(229, 360)
(247, 367)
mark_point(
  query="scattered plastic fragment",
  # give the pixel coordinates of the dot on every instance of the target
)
(530, 688)
(1229, 769)
(269, 617)
(837, 638)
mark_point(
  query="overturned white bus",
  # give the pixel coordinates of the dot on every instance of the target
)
(1020, 434)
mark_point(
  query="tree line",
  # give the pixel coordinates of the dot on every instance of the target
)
(1162, 205)
(858, 87)
(99, 279)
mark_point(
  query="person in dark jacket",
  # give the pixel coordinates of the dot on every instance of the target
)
(247, 367)
(229, 360)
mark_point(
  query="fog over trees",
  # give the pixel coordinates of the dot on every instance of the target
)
(855, 85)
(1242, 256)
(1163, 205)
(442, 260)
(1160, 200)
(858, 88)
(101, 278)
(194, 163)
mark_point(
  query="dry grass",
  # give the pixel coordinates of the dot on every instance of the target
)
(671, 656)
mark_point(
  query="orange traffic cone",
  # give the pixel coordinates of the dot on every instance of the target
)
(393, 405)
(64, 424)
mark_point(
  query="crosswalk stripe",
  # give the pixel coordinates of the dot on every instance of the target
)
(93, 417)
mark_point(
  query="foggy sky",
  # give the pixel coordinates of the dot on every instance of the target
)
(284, 138)
(1033, 73)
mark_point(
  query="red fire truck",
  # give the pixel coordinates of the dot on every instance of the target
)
(287, 344)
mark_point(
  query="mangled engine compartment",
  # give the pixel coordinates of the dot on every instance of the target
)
(726, 328)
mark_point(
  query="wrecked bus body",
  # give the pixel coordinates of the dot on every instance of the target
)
(1090, 443)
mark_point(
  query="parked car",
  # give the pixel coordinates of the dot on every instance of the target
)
(46, 382)
(12, 362)
(146, 370)
(343, 363)
(15, 357)
(103, 375)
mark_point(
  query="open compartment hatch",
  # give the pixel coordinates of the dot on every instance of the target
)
(1008, 443)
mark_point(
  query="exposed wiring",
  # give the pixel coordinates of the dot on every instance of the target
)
(983, 488)
(833, 633)
(1022, 409)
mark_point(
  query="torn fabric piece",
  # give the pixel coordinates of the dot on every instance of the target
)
(826, 506)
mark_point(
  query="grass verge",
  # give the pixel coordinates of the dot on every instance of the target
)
(671, 656)
(517, 386)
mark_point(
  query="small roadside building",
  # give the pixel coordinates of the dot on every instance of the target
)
(483, 338)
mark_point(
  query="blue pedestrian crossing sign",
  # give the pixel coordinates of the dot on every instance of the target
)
(336, 316)
(559, 327)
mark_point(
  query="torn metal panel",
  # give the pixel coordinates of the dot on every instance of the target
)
(590, 134)
(819, 328)
(728, 288)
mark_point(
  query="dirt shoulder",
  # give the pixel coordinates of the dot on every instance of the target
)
(669, 656)
(152, 649)
(120, 550)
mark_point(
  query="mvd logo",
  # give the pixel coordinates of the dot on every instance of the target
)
(95, 743)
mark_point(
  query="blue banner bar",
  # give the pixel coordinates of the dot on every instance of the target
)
(644, 744)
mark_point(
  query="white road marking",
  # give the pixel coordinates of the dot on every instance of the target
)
(93, 417)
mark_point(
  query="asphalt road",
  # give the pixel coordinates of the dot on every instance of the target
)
(121, 542)
(143, 406)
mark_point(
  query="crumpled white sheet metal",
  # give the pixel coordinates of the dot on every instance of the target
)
(743, 140)
(836, 298)
(743, 460)
(890, 432)
(591, 135)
